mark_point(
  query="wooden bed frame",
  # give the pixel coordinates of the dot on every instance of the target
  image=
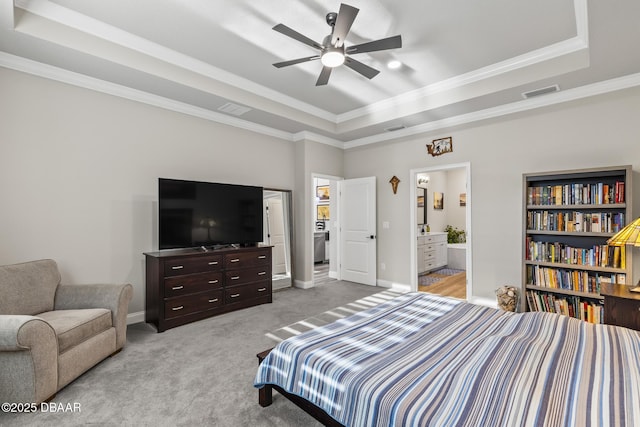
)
(265, 398)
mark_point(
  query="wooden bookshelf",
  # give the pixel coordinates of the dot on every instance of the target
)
(568, 217)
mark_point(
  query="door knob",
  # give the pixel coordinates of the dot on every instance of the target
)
(372, 237)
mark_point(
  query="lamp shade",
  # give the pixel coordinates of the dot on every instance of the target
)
(629, 235)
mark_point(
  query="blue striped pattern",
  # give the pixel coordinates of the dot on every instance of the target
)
(425, 360)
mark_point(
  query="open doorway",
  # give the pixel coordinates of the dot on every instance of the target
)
(441, 232)
(324, 229)
(278, 232)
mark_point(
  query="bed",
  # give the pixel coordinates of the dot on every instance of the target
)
(425, 360)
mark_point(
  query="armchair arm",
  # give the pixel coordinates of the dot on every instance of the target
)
(113, 297)
(28, 359)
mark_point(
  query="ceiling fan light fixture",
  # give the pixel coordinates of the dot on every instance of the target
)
(332, 57)
(394, 64)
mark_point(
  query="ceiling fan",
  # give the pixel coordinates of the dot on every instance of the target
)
(333, 52)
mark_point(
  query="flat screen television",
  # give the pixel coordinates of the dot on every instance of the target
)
(194, 214)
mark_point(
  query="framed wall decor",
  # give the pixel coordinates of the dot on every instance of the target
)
(322, 212)
(463, 199)
(440, 146)
(438, 200)
(322, 193)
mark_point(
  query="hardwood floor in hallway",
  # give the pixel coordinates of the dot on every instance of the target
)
(450, 286)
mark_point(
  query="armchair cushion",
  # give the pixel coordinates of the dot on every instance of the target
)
(52, 333)
(76, 326)
(29, 287)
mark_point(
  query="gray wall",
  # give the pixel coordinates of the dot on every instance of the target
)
(598, 131)
(79, 170)
(79, 173)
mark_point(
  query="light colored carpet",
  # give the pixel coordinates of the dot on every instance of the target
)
(332, 315)
(197, 374)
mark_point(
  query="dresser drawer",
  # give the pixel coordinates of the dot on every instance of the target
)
(248, 275)
(198, 264)
(245, 292)
(430, 255)
(180, 306)
(247, 259)
(192, 283)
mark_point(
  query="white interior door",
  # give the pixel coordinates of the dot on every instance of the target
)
(358, 230)
(276, 235)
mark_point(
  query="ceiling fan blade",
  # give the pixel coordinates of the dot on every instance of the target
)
(281, 28)
(346, 16)
(382, 44)
(296, 61)
(323, 78)
(361, 68)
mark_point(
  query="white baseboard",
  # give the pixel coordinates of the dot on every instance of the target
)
(136, 317)
(487, 302)
(303, 285)
(333, 274)
(399, 287)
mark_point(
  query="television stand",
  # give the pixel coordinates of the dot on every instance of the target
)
(185, 286)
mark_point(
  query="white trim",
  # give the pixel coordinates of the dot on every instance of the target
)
(303, 285)
(413, 238)
(111, 34)
(526, 60)
(80, 80)
(73, 19)
(137, 317)
(487, 302)
(310, 136)
(568, 95)
(399, 287)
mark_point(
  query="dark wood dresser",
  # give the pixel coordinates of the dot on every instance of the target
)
(183, 286)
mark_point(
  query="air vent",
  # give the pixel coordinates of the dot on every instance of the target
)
(541, 91)
(234, 109)
(394, 128)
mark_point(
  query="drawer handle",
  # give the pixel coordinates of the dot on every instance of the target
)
(262, 257)
(235, 295)
(213, 300)
(262, 289)
(262, 273)
(235, 260)
(176, 288)
(213, 262)
(177, 267)
(180, 307)
(213, 282)
(235, 277)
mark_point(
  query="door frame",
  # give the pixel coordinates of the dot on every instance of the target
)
(413, 178)
(335, 229)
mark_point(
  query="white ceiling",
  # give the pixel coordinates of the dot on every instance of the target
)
(462, 60)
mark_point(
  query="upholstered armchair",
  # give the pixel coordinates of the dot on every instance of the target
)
(51, 333)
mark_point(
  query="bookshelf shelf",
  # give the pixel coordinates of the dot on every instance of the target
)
(561, 265)
(571, 233)
(566, 292)
(568, 217)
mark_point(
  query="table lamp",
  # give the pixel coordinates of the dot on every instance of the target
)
(629, 235)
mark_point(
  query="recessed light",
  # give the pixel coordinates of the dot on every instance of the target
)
(394, 64)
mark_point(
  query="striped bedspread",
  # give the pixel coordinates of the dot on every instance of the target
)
(424, 360)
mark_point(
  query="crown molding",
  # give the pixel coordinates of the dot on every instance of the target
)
(311, 136)
(568, 95)
(567, 47)
(72, 19)
(58, 74)
(80, 80)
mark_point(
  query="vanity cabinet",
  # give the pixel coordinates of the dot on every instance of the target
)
(432, 251)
